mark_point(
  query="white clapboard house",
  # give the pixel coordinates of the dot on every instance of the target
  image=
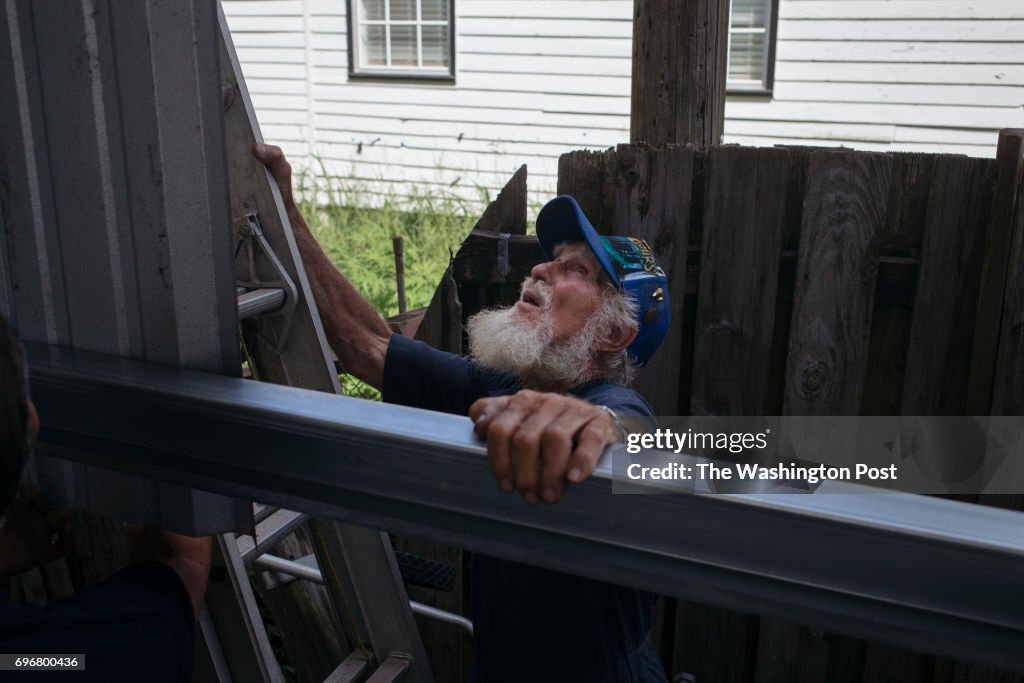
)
(453, 95)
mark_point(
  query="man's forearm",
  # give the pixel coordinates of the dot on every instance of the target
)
(188, 557)
(356, 332)
(354, 329)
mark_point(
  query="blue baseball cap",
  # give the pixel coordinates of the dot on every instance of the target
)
(628, 261)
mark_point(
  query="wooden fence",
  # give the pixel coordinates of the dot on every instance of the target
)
(804, 282)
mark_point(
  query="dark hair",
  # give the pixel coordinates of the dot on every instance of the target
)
(15, 434)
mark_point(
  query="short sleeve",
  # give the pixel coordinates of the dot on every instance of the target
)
(625, 402)
(419, 376)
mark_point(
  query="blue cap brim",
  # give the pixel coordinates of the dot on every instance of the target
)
(562, 220)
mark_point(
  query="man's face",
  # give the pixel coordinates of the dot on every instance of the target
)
(551, 336)
(563, 293)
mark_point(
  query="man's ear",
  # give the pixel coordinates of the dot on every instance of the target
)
(617, 339)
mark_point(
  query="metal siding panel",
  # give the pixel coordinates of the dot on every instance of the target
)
(67, 73)
(192, 177)
(32, 254)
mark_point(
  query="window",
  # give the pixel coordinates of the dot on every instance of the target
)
(401, 38)
(752, 46)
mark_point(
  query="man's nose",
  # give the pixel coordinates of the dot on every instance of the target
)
(539, 271)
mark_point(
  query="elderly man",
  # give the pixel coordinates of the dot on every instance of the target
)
(544, 385)
(139, 624)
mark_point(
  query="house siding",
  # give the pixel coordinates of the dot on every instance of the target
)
(538, 78)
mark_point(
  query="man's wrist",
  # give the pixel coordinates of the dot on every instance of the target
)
(621, 432)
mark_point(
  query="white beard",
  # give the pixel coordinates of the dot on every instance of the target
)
(498, 339)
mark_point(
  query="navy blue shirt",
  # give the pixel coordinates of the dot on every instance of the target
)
(533, 624)
(137, 625)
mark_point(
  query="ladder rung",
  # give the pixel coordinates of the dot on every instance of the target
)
(260, 512)
(259, 301)
(351, 669)
(269, 533)
(306, 568)
(391, 669)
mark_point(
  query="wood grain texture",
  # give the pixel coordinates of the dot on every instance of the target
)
(679, 68)
(1008, 376)
(835, 283)
(743, 225)
(945, 303)
(1008, 395)
(999, 240)
(650, 196)
(507, 213)
(477, 260)
(586, 177)
(834, 295)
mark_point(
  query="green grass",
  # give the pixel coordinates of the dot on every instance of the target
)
(356, 229)
(358, 237)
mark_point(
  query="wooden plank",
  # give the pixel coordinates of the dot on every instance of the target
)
(752, 203)
(651, 196)
(586, 176)
(680, 50)
(900, 234)
(999, 241)
(742, 245)
(1000, 295)
(843, 218)
(507, 213)
(477, 260)
(836, 277)
(935, 381)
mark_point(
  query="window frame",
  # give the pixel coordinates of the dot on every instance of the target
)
(385, 73)
(767, 84)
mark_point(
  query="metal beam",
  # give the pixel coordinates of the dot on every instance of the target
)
(930, 574)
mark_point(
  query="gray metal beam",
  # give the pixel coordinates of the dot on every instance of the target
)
(930, 574)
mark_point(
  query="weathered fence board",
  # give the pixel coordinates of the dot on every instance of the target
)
(742, 246)
(835, 286)
(806, 282)
(651, 193)
(838, 261)
(1005, 196)
(945, 302)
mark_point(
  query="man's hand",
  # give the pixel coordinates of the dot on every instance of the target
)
(354, 329)
(273, 157)
(31, 533)
(188, 557)
(538, 443)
